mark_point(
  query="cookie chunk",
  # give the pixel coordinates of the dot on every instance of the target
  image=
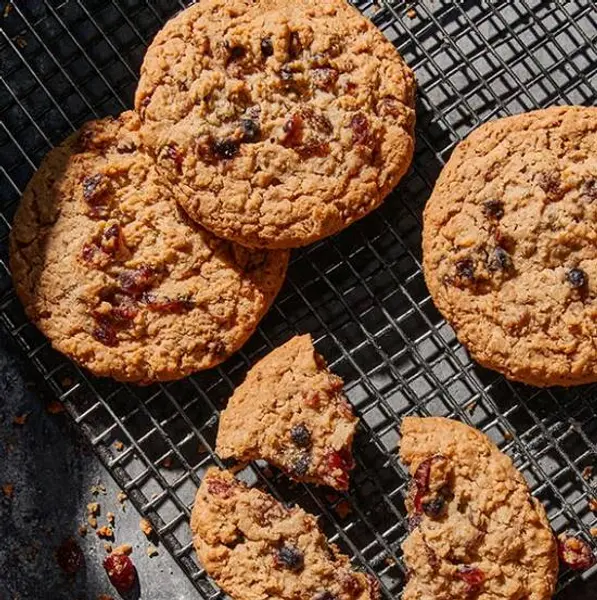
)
(475, 529)
(291, 411)
(117, 277)
(254, 547)
(510, 245)
(279, 122)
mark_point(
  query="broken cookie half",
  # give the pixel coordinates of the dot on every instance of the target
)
(475, 530)
(255, 547)
(291, 412)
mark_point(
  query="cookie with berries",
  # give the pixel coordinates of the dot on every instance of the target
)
(280, 123)
(118, 277)
(255, 547)
(475, 530)
(291, 412)
(510, 245)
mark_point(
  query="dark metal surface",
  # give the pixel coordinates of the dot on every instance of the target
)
(360, 294)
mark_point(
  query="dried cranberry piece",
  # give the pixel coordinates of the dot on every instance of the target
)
(473, 577)
(301, 435)
(389, 105)
(314, 399)
(295, 46)
(251, 131)
(500, 260)
(123, 308)
(435, 507)
(167, 305)
(267, 48)
(314, 148)
(289, 557)
(301, 465)
(494, 209)
(318, 121)
(575, 553)
(413, 522)
(340, 461)
(69, 556)
(361, 131)
(324, 78)
(112, 239)
(577, 278)
(549, 182)
(175, 155)
(224, 149)
(121, 572)
(136, 281)
(465, 270)
(219, 487)
(105, 333)
(89, 251)
(95, 192)
(293, 131)
(421, 480)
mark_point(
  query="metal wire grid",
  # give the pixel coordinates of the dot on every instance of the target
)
(361, 294)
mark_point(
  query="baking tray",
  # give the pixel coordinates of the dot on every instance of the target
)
(361, 294)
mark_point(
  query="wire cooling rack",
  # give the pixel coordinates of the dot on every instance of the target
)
(360, 294)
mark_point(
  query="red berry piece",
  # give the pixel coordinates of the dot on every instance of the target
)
(293, 131)
(473, 577)
(96, 190)
(105, 333)
(361, 131)
(167, 305)
(421, 480)
(575, 553)
(339, 465)
(69, 556)
(217, 487)
(136, 281)
(121, 572)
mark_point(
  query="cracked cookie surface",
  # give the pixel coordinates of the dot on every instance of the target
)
(279, 122)
(118, 277)
(256, 548)
(510, 245)
(291, 412)
(475, 529)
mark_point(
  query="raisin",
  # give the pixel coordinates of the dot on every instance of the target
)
(575, 552)
(500, 260)
(235, 52)
(473, 577)
(465, 269)
(251, 131)
(325, 78)
(217, 487)
(267, 48)
(421, 480)
(361, 132)
(301, 465)
(136, 281)
(493, 209)
(89, 251)
(295, 47)
(167, 305)
(173, 153)
(301, 436)
(314, 148)
(549, 182)
(324, 596)
(289, 557)
(69, 556)
(293, 131)
(121, 572)
(112, 239)
(390, 106)
(105, 333)
(434, 508)
(318, 121)
(224, 149)
(95, 192)
(339, 463)
(577, 278)
(589, 189)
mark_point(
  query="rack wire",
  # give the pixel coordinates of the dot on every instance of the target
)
(360, 294)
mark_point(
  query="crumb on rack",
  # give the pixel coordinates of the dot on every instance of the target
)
(105, 532)
(20, 420)
(122, 498)
(167, 462)
(82, 530)
(119, 445)
(151, 551)
(92, 521)
(105, 597)
(593, 531)
(390, 561)
(125, 549)
(108, 547)
(98, 488)
(411, 13)
(343, 509)
(111, 517)
(8, 489)
(93, 509)
(587, 472)
(146, 527)
(593, 504)
(55, 407)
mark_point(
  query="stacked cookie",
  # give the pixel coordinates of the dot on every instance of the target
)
(149, 246)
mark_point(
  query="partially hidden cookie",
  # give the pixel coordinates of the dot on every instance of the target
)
(291, 412)
(254, 547)
(280, 122)
(475, 529)
(117, 277)
(510, 245)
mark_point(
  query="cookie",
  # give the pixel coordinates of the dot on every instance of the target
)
(510, 245)
(279, 122)
(254, 547)
(291, 412)
(475, 529)
(117, 277)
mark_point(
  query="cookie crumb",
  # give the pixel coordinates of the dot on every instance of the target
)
(122, 498)
(508, 436)
(20, 41)
(593, 504)
(119, 445)
(411, 13)
(55, 407)
(108, 547)
(105, 532)
(8, 489)
(343, 509)
(82, 530)
(152, 551)
(66, 382)
(167, 462)
(105, 597)
(390, 561)
(125, 549)
(6, 10)
(93, 509)
(20, 420)
(92, 521)
(98, 488)
(110, 516)
(587, 473)
(593, 531)
(146, 527)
